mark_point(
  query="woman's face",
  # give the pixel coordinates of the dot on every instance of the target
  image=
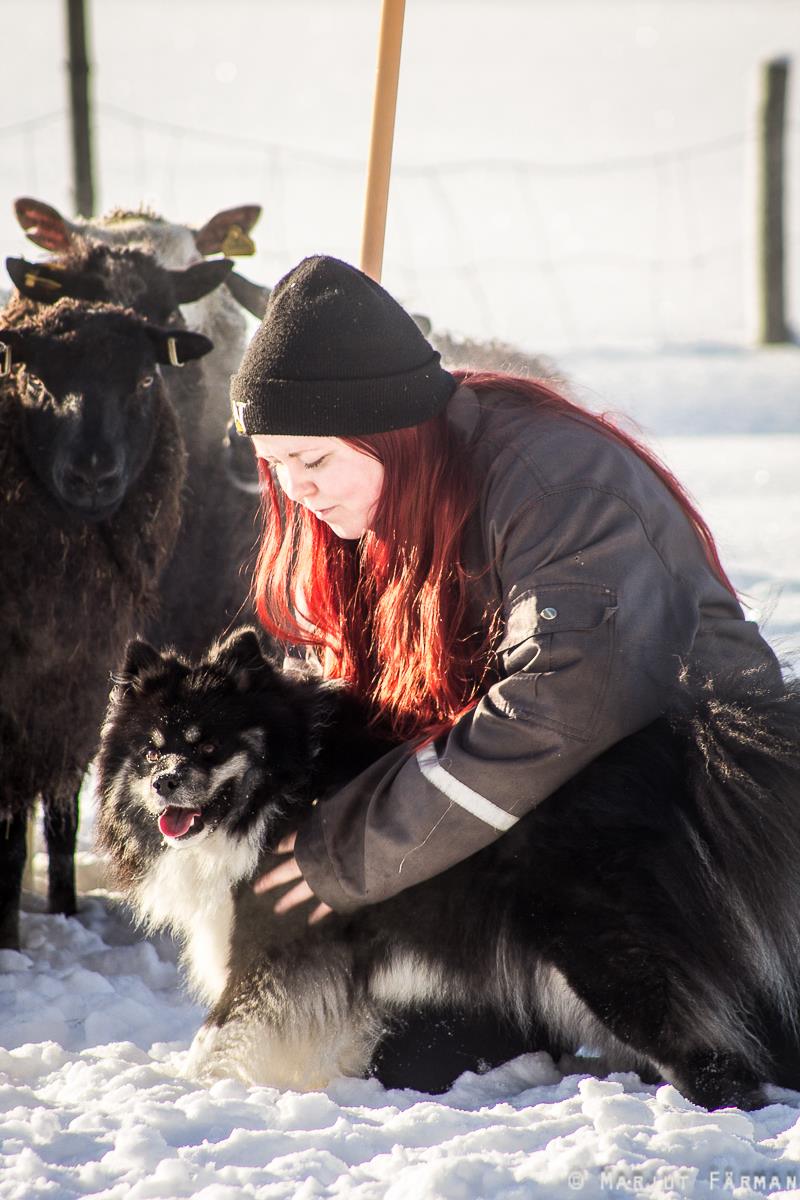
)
(332, 479)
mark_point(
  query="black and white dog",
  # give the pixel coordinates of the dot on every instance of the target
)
(650, 908)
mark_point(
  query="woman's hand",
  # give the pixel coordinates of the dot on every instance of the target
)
(285, 873)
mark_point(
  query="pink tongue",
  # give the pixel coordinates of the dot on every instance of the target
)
(174, 822)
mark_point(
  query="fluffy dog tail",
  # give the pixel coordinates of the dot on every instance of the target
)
(742, 740)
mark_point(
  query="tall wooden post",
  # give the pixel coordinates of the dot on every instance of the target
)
(78, 67)
(380, 151)
(771, 173)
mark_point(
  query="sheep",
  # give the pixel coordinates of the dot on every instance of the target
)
(92, 466)
(466, 353)
(177, 245)
(206, 585)
(99, 272)
(218, 315)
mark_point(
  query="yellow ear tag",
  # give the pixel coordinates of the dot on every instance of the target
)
(5, 365)
(33, 280)
(237, 242)
(238, 419)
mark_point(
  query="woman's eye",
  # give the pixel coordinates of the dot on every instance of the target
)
(276, 465)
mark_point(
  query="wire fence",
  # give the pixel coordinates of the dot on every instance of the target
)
(653, 247)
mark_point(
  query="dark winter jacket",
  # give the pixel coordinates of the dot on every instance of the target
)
(604, 593)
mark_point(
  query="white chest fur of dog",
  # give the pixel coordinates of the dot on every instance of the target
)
(282, 1037)
(188, 891)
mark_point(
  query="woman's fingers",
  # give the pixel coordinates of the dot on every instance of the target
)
(288, 872)
(319, 912)
(296, 895)
(284, 873)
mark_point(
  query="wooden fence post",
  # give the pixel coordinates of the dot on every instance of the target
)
(771, 249)
(380, 150)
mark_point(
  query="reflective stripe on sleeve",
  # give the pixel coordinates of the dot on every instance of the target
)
(457, 791)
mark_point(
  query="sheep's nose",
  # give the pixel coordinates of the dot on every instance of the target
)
(89, 480)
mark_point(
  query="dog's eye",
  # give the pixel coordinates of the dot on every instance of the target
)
(151, 754)
(207, 748)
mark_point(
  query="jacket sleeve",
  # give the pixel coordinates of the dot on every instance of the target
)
(594, 630)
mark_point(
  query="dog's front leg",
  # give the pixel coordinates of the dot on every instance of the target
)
(297, 1019)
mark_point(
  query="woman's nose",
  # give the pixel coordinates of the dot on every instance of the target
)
(295, 483)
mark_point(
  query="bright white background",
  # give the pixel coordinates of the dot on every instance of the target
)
(567, 172)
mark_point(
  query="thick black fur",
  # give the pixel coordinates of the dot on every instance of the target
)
(91, 478)
(648, 907)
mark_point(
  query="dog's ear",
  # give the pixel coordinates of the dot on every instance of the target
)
(139, 657)
(240, 655)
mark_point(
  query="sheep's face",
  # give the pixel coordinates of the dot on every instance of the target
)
(102, 274)
(90, 392)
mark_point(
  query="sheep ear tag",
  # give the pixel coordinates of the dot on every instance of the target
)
(5, 359)
(33, 280)
(172, 352)
(237, 242)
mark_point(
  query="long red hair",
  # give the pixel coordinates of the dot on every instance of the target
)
(388, 613)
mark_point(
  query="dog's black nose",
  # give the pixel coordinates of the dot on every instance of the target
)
(167, 782)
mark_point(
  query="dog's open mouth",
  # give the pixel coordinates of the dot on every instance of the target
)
(175, 822)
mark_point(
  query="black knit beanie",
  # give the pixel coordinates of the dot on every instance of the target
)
(336, 356)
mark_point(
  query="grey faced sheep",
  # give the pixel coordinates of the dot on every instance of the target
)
(217, 315)
(91, 476)
(206, 584)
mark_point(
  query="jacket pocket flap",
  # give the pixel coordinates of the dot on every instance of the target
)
(556, 608)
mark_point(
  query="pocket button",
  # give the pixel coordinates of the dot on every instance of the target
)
(548, 614)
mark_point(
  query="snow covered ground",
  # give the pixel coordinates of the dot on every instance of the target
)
(96, 1026)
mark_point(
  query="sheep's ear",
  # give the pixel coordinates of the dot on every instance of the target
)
(37, 281)
(44, 224)
(251, 296)
(241, 656)
(197, 281)
(178, 346)
(227, 231)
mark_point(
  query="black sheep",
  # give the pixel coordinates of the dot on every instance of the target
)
(206, 585)
(218, 315)
(92, 466)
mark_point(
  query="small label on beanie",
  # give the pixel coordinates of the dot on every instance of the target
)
(238, 417)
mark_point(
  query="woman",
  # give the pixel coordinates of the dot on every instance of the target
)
(512, 583)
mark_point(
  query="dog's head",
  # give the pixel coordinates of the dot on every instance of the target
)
(187, 748)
